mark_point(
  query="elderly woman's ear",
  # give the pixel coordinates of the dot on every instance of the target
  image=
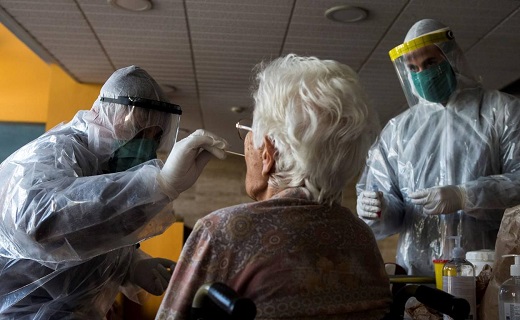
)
(268, 153)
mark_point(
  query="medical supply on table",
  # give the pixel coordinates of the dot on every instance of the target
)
(509, 293)
(438, 265)
(458, 278)
(480, 258)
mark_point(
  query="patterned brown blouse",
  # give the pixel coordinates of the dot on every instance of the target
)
(295, 258)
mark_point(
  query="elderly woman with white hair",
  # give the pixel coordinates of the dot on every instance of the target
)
(295, 251)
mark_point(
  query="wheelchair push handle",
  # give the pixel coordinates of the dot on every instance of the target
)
(457, 308)
(225, 299)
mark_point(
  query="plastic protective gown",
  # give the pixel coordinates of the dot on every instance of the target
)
(471, 141)
(68, 229)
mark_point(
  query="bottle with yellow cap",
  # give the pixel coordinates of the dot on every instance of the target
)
(458, 278)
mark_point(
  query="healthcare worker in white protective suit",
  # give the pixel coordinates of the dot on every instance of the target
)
(77, 200)
(450, 164)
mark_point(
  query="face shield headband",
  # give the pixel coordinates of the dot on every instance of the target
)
(437, 80)
(121, 128)
(145, 103)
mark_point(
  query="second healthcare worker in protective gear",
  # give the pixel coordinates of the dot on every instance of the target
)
(77, 200)
(447, 166)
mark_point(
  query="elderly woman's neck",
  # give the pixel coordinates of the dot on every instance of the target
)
(267, 194)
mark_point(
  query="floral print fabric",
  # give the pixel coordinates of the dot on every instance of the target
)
(293, 257)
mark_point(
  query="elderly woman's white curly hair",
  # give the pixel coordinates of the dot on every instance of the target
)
(317, 116)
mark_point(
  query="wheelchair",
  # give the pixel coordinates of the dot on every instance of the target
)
(217, 301)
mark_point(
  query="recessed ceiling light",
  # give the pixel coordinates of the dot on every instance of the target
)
(132, 5)
(346, 14)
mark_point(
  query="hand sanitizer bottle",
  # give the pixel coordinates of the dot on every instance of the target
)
(458, 278)
(509, 293)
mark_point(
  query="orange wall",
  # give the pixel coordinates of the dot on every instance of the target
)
(168, 245)
(33, 91)
(24, 82)
(66, 97)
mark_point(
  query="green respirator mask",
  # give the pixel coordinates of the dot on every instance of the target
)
(133, 153)
(435, 84)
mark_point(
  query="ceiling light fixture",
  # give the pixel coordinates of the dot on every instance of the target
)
(346, 14)
(132, 5)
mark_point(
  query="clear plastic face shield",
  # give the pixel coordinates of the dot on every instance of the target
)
(426, 67)
(143, 129)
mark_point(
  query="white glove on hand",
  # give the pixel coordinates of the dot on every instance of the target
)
(187, 159)
(440, 200)
(370, 204)
(153, 275)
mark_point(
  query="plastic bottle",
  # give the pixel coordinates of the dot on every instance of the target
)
(509, 293)
(480, 258)
(458, 278)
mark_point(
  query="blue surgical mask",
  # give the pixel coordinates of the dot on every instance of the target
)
(133, 153)
(435, 84)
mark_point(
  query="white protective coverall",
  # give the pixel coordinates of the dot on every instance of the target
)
(68, 224)
(471, 141)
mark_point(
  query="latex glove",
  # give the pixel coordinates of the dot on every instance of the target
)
(187, 159)
(370, 204)
(153, 275)
(439, 200)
